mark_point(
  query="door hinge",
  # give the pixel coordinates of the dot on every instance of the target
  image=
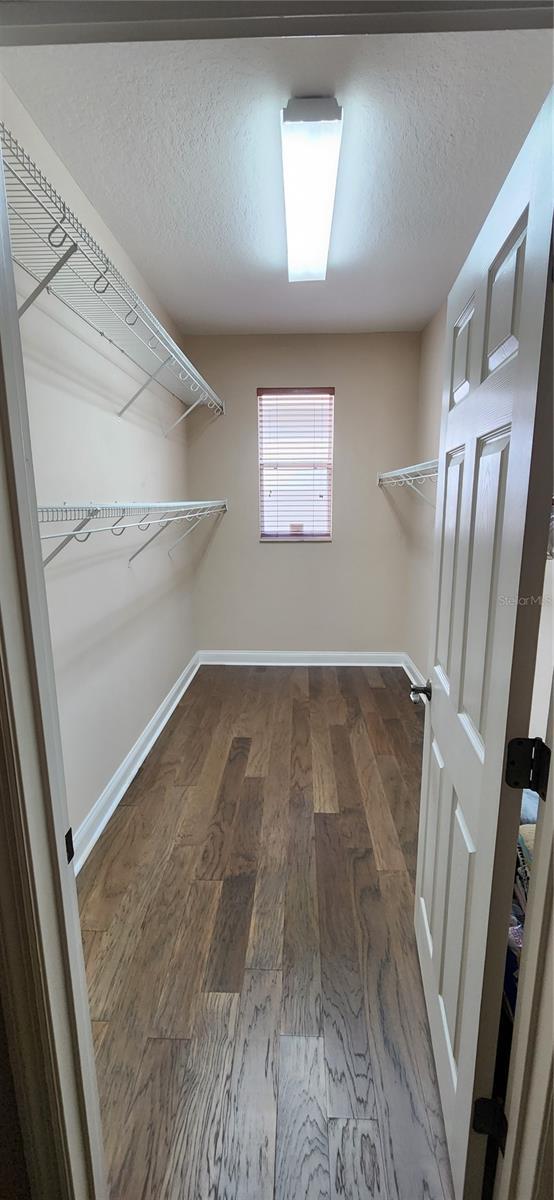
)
(528, 764)
(489, 1118)
(69, 845)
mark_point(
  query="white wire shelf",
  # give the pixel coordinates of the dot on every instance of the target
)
(424, 472)
(411, 477)
(54, 248)
(130, 515)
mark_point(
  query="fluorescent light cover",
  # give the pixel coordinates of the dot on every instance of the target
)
(310, 138)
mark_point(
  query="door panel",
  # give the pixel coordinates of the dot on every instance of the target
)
(436, 781)
(450, 548)
(441, 880)
(485, 543)
(504, 300)
(487, 497)
(460, 859)
(461, 346)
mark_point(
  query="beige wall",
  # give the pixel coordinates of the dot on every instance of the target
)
(121, 635)
(419, 516)
(347, 595)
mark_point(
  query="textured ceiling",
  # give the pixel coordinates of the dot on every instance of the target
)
(177, 146)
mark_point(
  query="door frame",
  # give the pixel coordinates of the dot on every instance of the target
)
(42, 980)
(528, 1105)
(530, 1082)
(48, 23)
(529, 1098)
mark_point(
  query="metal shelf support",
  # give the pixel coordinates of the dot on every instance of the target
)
(47, 279)
(184, 535)
(143, 386)
(186, 413)
(155, 535)
(69, 538)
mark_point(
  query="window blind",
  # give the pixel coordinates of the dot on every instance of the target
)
(295, 441)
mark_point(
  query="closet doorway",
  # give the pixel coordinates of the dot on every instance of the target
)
(333, 999)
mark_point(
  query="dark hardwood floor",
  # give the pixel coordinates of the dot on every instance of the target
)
(257, 1010)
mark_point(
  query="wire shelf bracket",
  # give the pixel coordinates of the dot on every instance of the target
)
(143, 386)
(186, 413)
(163, 526)
(196, 521)
(411, 477)
(131, 515)
(68, 538)
(44, 283)
(51, 245)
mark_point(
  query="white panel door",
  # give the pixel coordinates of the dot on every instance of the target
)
(490, 544)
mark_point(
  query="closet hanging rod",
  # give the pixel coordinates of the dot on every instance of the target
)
(50, 243)
(157, 513)
(411, 477)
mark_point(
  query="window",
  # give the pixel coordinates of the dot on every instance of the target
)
(295, 446)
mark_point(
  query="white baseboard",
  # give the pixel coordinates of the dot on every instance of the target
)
(413, 672)
(307, 658)
(313, 658)
(89, 832)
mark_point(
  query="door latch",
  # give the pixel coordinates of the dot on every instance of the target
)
(416, 692)
(528, 764)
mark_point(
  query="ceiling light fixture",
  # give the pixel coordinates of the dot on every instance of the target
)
(311, 131)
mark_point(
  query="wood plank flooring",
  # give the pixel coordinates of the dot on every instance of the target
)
(247, 916)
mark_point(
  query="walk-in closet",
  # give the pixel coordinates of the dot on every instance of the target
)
(276, 602)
